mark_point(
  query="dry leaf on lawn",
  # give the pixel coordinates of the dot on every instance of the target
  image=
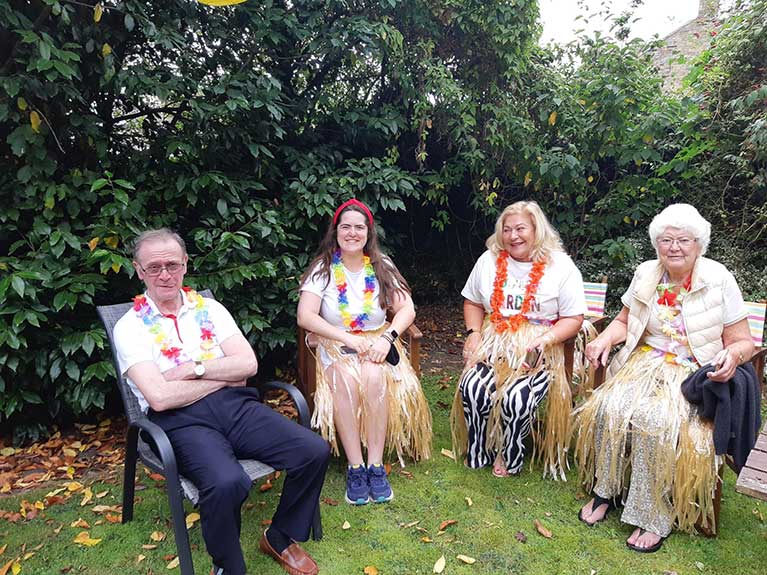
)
(84, 538)
(157, 536)
(447, 523)
(149, 546)
(448, 453)
(2, 549)
(370, 570)
(466, 559)
(140, 558)
(469, 502)
(4, 569)
(427, 539)
(81, 523)
(105, 508)
(439, 566)
(346, 525)
(542, 530)
(87, 497)
(111, 518)
(191, 519)
(173, 564)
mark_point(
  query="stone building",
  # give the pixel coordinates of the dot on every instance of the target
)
(688, 41)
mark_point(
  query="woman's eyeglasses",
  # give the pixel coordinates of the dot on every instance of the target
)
(681, 242)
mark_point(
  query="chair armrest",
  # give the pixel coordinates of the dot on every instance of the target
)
(413, 332)
(161, 442)
(298, 399)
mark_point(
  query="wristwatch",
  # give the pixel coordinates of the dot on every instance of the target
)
(394, 335)
(199, 369)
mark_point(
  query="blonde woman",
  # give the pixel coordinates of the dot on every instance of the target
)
(523, 298)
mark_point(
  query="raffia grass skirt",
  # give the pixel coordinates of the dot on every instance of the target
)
(408, 429)
(505, 353)
(684, 467)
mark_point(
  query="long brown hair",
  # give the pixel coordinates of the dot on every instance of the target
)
(390, 281)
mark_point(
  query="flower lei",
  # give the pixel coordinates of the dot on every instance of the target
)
(357, 323)
(496, 299)
(670, 316)
(151, 319)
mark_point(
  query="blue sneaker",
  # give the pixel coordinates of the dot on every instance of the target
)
(357, 488)
(380, 490)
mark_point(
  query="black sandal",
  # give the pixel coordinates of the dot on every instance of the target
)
(651, 549)
(598, 501)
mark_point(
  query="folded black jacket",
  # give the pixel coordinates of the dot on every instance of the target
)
(732, 406)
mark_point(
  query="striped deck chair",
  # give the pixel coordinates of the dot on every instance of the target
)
(752, 479)
(596, 293)
(582, 373)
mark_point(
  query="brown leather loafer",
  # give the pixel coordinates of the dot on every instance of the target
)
(294, 560)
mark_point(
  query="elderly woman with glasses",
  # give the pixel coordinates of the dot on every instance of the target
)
(681, 311)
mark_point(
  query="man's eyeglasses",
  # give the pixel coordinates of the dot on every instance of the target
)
(153, 270)
(681, 242)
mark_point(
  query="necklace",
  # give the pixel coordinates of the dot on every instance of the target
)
(496, 299)
(667, 294)
(354, 323)
(151, 319)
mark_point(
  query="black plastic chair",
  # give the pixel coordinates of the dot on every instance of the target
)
(141, 430)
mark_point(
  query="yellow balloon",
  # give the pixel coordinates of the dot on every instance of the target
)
(221, 2)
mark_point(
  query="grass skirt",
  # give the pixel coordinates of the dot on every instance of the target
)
(408, 430)
(684, 466)
(505, 353)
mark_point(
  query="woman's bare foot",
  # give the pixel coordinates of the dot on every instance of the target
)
(590, 515)
(499, 467)
(634, 536)
(646, 539)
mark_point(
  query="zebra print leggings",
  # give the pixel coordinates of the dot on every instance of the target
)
(522, 397)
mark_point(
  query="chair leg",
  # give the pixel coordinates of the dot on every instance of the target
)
(317, 524)
(129, 473)
(179, 525)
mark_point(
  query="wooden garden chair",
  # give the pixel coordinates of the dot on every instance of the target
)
(141, 432)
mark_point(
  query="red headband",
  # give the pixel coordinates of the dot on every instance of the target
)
(353, 202)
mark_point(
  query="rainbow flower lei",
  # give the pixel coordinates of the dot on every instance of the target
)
(151, 319)
(357, 323)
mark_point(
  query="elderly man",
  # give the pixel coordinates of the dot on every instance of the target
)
(187, 363)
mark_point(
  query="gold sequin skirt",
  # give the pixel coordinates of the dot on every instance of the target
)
(408, 430)
(637, 435)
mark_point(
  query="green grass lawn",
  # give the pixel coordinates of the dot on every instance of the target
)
(403, 536)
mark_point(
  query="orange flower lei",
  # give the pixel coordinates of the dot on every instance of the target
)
(496, 299)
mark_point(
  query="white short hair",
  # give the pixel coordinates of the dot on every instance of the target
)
(685, 217)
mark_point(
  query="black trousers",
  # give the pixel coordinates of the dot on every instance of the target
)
(211, 434)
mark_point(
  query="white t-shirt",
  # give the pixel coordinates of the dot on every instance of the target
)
(325, 287)
(560, 292)
(135, 344)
